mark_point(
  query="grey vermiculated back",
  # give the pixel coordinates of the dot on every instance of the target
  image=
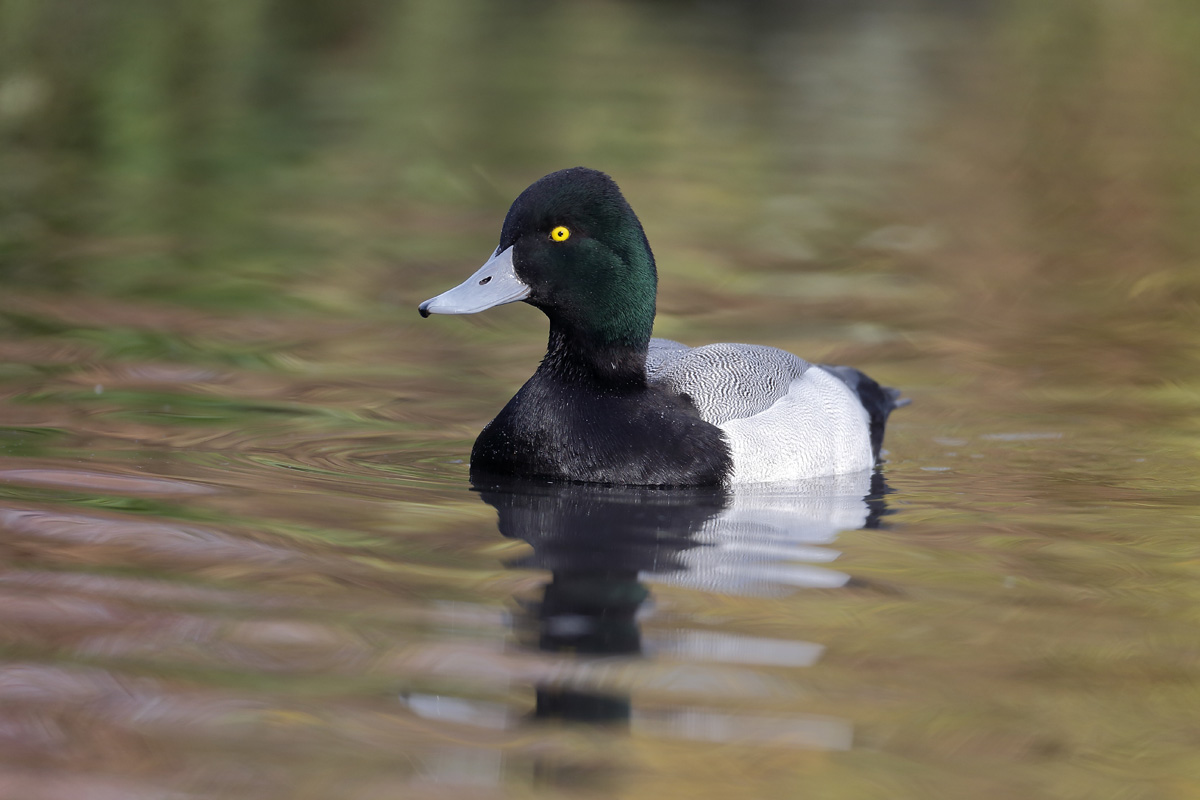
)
(725, 381)
(783, 418)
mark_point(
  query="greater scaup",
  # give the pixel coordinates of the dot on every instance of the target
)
(609, 404)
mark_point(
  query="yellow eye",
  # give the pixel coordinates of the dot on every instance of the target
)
(560, 234)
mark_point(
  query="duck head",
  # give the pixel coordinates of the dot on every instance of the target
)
(572, 247)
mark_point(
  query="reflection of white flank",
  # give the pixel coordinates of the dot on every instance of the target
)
(753, 545)
(693, 646)
(802, 731)
(447, 708)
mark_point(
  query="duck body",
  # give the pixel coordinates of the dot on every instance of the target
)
(783, 418)
(569, 422)
(608, 404)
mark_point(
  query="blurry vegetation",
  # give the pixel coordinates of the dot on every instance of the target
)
(219, 150)
(264, 153)
(144, 141)
(1072, 194)
(257, 152)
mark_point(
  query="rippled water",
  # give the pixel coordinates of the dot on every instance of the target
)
(240, 555)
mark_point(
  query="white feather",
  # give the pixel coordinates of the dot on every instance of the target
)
(784, 419)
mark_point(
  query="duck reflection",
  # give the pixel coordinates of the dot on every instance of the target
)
(596, 541)
(603, 544)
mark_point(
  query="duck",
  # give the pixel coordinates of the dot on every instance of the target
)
(611, 404)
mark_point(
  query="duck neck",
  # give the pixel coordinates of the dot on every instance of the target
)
(612, 365)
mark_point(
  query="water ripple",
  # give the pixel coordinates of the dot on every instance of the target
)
(102, 483)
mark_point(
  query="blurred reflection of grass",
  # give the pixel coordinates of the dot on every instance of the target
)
(217, 156)
(210, 156)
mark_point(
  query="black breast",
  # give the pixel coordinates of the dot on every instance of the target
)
(635, 436)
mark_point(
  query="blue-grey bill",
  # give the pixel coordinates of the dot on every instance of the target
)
(493, 284)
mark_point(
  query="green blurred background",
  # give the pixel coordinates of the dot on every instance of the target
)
(999, 195)
(265, 154)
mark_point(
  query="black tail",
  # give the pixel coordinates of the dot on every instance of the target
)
(879, 401)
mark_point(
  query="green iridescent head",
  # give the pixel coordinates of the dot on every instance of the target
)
(573, 247)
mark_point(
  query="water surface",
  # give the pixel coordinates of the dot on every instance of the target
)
(240, 554)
